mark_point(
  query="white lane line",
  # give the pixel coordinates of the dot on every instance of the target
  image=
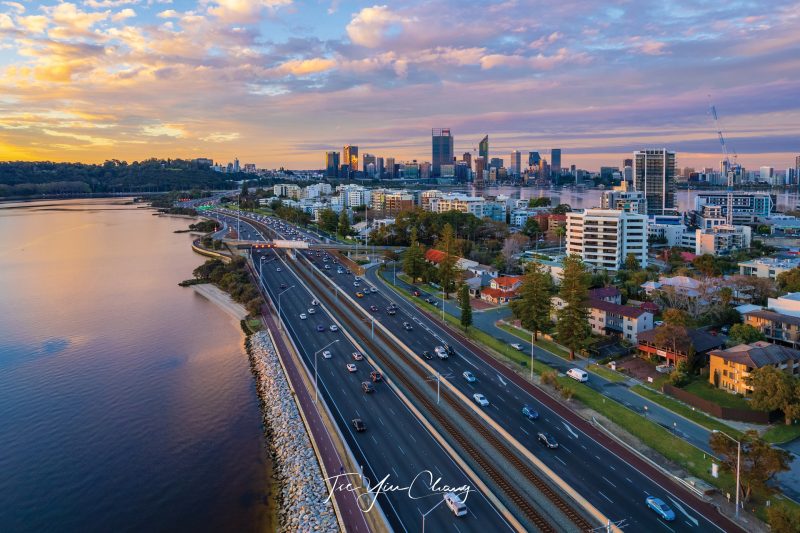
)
(395, 473)
(373, 439)
(611, 467)
(412, 437)
(501, 399)
(604, 496)
(607, 481)
(381, 420)
(665, 525)
(564, 448)
(560, 460)
(629, 480)
(597, 457)
(681, 509)
(401, 450)
(584, 447)
(523, 430)
(575, 435)
(470, 362)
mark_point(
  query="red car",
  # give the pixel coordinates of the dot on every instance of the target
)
(416, 293)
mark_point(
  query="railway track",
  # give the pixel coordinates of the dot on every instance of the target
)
(523, 504)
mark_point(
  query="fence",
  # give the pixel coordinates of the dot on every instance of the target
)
(727, 413)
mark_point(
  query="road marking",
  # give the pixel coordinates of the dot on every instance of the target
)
(501, 399)
(575, 435)
(584, 447)
(611, 467)
(665, 525)
(560, 460)
(395, 473)
(373, 439)
(401, 450)
(412, 437)
(565, 448)
(628, 480)
(381, 419)
(523, 430)
(501, 380)
(598, 458)
(681, 509)
(604, 496)
(471, 363)
(607, 481)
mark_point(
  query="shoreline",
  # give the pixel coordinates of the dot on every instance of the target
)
(221, 299)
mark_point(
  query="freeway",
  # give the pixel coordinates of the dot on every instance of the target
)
(609, 482)
(395, 443)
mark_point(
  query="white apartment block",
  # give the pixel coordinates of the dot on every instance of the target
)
(603, 238)
(425, 198)
(353, 195)
(768, 267)
(287, 190)
(317, 190)
(722, 239)
(458, 202)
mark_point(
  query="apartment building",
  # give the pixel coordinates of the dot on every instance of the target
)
(777, 327)
(458, 202)
(287, 190)
(603, 238)
(767, 267)
(676, 348)
(722, 239)
(731, 369)
(624, 321)
(391, 201)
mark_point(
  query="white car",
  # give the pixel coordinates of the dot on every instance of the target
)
(334, 327)
(278, 269)
(356, 284)
(314, 302)
(480, 399)
(357, 356)
(351, 367)
(440, 352)
(517, 346)
(311, 310)
(303, 316)
(373, 289)
(327, 354)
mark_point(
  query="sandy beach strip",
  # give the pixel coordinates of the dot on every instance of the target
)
(221, 299)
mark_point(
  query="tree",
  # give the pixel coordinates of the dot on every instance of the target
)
(676, 317)
(783, 519)
(562, 209)
(631, 263)
(466, 306)
(328, 220)
(542, 201)
(744, 334)
(533, 306)
(763, 229)
(414, 258)
(774, 389)
(244, 188)
(573, 327)
(344, 224)
(706, 264)
(760, 462)
(447, 268)
(531, 228)
(789, 281)
(512, 246)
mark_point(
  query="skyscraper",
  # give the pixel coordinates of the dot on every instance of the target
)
(350, 156)
(369, 159)
(467, 158)
(442, 149)
(534, 159)
(654, 175)
(332, 165)
(797, 169)
(480, 166)
(391, 169)
(236, 164)
(555, 161)
(515, 166)
(483, 148)
(379, 170)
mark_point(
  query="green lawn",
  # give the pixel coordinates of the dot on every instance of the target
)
(781, 433)
(709, 392)
(684, 410)
(550, 346)
(607, 373)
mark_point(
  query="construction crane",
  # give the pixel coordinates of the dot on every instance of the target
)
(728, 168)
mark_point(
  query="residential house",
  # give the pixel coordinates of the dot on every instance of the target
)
(731, 368)
(625, 321)
(677, 347)
(502, 290)
(776, 327)
(607, 294)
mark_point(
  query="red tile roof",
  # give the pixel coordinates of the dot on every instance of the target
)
(497, 293)
(435, 256)
(507, 281)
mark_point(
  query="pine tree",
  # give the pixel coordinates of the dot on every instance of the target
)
(447, 268)
(466, 307)
(414, 258)
(344, 224)
(533, 306)
(572, 326)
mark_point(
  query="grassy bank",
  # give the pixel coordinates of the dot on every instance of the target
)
(684, 410)
(606, 373)
(544, 344)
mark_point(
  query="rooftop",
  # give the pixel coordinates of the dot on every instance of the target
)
(617, 309)
(774, 262)
(775, 317)
(604, 292)
(702, 341)
(758, 354)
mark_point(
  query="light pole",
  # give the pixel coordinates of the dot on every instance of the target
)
(532, 334)
(316, 387)
(738, 464)
(279, 302)
(429, 512)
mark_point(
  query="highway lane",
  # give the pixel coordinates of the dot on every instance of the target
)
(395, 443)
(607, 481)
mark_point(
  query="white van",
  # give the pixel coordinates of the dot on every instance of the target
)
(578, 375)
(455, 504)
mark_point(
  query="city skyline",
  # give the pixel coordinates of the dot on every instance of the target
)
(277, 82)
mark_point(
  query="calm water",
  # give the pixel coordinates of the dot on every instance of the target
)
(126, 402)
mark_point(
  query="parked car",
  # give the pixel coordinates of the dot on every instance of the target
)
(416, 293)
(373, 289)
(578, 374)
(530, 413)
(547, 439)
(327, 354)
(470, 377)
(516, 346)
(373, 307)
(283, 285)
(359, 425)
(658, 506)
(311, 310)
(391, 311)
(351, 367)
(314, 302)
(376, 376)
(367, 387)
(278, 269)
(480, 399)
(357, 356)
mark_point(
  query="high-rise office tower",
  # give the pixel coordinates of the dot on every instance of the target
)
(555, 161)
(627, 163)
(369, 159)
(534, 159)
(480, 166)
(797, 169)
(332, 165)
(379, 170)
(654, 175)
(391, 169)
(483, 148)
(467, 158)
(236, 165)
(350, 157)
(442, 149)
(515, 167)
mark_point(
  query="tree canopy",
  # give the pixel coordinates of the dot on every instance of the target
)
(773, 389)
(572, 326)
(744, 334)
(533, 306)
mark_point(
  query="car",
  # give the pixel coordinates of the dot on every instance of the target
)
(416, 293)
(320, 328)
(470, 377)
(360, 294)
(427, 355)
(391, 311)
(367, 387)
(357, 356)
(278, 269)
(658, 506)
(440, 352)
(359, 425)
(334, 327)
(357, 278)
(430, 301)
(339, 271)
(376, 376)
(351, 367)
(283, 285)
(480, 399)
(449, 349)
(407, 326)
(327, 354)
(373, 289)
(529, 412)
(303, 316)
(311, 310)
(373, 307)
(314, 302)
(547, 439)
(327, 267)
(517, 346)
(356, 284)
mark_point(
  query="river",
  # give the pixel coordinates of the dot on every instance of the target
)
(126, 402)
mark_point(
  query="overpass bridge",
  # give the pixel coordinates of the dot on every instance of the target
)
(303, 245)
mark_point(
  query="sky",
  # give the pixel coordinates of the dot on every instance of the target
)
(278, 82)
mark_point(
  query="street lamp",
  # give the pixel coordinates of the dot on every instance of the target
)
(316, 387)
(738, 464)
(532, 334)
(279, 302)
(429, 512)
